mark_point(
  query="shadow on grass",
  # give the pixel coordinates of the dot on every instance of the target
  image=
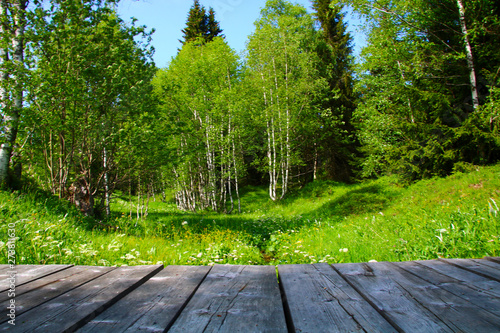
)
(259, 220)
(368, 199)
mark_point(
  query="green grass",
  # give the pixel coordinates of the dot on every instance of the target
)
(454, 217)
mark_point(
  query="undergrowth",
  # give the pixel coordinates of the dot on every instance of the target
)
(454, 217)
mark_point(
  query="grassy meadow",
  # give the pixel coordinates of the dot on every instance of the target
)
(454, 217)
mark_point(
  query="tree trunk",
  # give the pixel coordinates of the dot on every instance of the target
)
(107, 201)
(470, 59)
(5, 148)
(11, 114)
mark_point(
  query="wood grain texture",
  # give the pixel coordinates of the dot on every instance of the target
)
(320, 300)
(390, 298)
(452, 295)
(235, 299)
(483, 299)
(153, 306)
(34, 293)
(479, 267)
(468, 278)
(495, 259)
(27, 273)
(71, 310)
(489, 263)
(463, 309)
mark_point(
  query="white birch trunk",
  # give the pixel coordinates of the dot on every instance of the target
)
(470, 59)
(11, 117)
(410, 107)
(107, 201)
(285, 175)
(236, 185)
(5, 148)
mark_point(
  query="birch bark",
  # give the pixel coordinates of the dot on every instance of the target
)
(470, 58)
(11, 114)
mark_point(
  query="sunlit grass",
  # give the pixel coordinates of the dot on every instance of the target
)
(322, 222)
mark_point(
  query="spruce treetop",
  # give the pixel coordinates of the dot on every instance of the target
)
(201, 24)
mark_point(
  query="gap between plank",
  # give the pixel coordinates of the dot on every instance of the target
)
(366, 298)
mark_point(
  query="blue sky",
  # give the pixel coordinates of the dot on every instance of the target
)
(236, 18)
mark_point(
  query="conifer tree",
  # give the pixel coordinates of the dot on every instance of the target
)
(213, 27)
(336, 148)
(200, 24)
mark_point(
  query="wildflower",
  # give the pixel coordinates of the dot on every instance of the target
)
(128, 256)
(199, 255)
(185, 223)
(343, 250)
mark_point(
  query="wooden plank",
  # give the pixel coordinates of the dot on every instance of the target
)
(475, 267)
(27, 273)
(156, 304)
(488, 263)
(76, 307)
(467, 291)
(391, 299)
(235, 299)
(320, 300)
(34, 293)
(6, 278)
(457, 313)
(478, 282)
(495, 259)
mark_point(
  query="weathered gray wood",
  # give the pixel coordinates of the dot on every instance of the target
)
(475, 267)
(235, 299)
(37, 272)
(320, 300)
(34, 293)
(495, 259)
(391, 299)
(27, 273)
(72, 309)
(488, 263)
(153, 306)
(468, 291)
(456, 312)
(479, 282)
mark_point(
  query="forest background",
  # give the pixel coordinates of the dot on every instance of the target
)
(87, 116)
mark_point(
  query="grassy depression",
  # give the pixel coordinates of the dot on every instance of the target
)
(453, 217)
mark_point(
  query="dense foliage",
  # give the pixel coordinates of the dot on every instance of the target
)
(453, 217)
(426, 74)
(86, 78)
(85, 113)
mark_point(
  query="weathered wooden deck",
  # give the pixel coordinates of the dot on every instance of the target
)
(422, 296)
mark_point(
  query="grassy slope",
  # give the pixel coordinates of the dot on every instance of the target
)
(324, 222)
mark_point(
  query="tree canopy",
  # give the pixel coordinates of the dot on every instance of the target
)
(201, 24)
(85, 112)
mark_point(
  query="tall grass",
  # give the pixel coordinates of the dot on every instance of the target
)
(324, 222)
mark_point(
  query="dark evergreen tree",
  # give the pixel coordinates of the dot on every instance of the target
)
(200, 24)
(213, 26)
(336, 148)
(428, 83)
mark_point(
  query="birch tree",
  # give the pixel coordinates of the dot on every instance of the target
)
(90, 75)
(12, 26)
(281, 66)
(196, 91)
(423, 77)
